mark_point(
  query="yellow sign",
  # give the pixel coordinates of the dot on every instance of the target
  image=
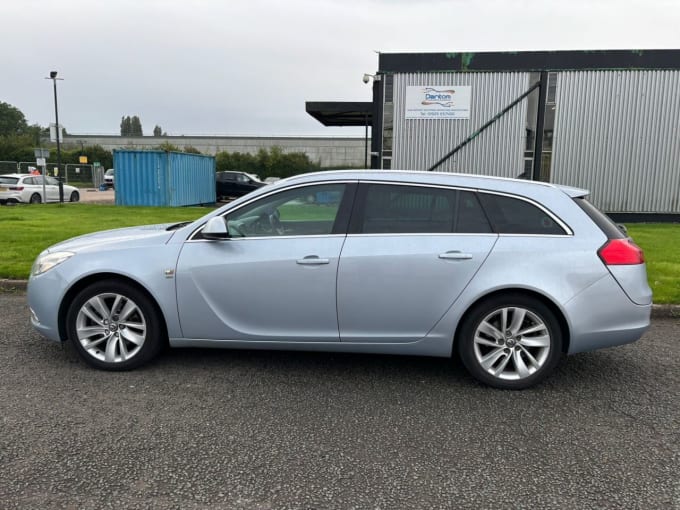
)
(82, 159)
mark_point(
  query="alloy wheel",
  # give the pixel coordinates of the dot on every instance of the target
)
(111, 327)
(512, 343)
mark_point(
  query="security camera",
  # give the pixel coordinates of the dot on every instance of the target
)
(53, 74)
(366, 78)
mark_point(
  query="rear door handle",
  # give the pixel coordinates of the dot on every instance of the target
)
(312, 260)
(455, 255)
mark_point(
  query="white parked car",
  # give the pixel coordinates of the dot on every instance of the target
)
(28, 189)
(109, 177)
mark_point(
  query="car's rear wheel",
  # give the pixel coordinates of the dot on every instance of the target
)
(114, 326)
(35, 198)
(510, 341)
(75, 196)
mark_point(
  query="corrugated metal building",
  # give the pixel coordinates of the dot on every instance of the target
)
(160, 178)
(608, 121)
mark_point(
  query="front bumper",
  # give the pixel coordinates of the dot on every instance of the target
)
(45, 293)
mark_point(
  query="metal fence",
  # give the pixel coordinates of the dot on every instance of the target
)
(75, 174)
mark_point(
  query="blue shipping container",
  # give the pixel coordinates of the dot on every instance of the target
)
(165, 179)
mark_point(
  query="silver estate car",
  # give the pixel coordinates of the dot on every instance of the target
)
(507, 274)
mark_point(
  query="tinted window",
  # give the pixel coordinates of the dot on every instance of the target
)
(28, 180)
(310, 210)
(393, 209)
(225, 176)
(470, 217)
(514, 216)
(52, 181)
(8, 180)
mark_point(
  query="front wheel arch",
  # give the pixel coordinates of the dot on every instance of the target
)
(89, 280)
(562, 321)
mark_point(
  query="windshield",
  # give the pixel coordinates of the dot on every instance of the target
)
(109, 171)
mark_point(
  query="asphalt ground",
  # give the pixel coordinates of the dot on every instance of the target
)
(250, 429)
(92, 195)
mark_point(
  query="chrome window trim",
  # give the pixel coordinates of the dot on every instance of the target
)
(190, 238)
(422, 234)
(568, 231)
(239, 239)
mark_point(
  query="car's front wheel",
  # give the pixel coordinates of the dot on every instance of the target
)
(114, 326)
(510, 341)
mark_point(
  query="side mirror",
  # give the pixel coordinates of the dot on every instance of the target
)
(215, 229)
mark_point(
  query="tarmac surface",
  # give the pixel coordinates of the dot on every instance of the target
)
(91, 195)
(247, 429)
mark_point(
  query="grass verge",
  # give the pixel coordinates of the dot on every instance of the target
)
(26, 230)
(660, 244)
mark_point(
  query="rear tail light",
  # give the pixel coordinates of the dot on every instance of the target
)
(618, 252)
(16, 188)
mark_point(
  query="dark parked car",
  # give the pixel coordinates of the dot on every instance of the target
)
(235, 184)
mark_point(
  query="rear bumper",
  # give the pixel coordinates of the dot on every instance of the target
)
(10, 198)
(603, 316)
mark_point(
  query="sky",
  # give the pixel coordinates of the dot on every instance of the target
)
(237, 67)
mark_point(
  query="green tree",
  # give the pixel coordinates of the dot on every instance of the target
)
(12, 120)
(191, 149)
(125, 126)
(157, 131)
(136, 127)
(130, 126)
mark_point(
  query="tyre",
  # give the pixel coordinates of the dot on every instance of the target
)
(75, 197)
(35, 199)
(511, 341)
(114, 326)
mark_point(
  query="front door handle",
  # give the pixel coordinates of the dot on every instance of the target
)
(312, 260)
(455, 255)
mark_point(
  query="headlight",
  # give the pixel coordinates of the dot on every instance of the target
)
(47, 261)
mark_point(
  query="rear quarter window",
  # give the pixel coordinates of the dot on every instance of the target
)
(509, 215)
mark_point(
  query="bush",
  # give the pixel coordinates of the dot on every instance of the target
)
(266, 163)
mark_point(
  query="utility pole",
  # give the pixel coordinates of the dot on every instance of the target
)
(53, 77)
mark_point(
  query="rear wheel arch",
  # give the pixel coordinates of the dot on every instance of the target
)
(95, 278)
(562, 321)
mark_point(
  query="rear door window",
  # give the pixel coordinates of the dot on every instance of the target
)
(398, 209)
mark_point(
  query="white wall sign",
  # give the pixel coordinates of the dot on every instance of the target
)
(438, 102)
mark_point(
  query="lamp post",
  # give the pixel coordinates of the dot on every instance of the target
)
(53, 77)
